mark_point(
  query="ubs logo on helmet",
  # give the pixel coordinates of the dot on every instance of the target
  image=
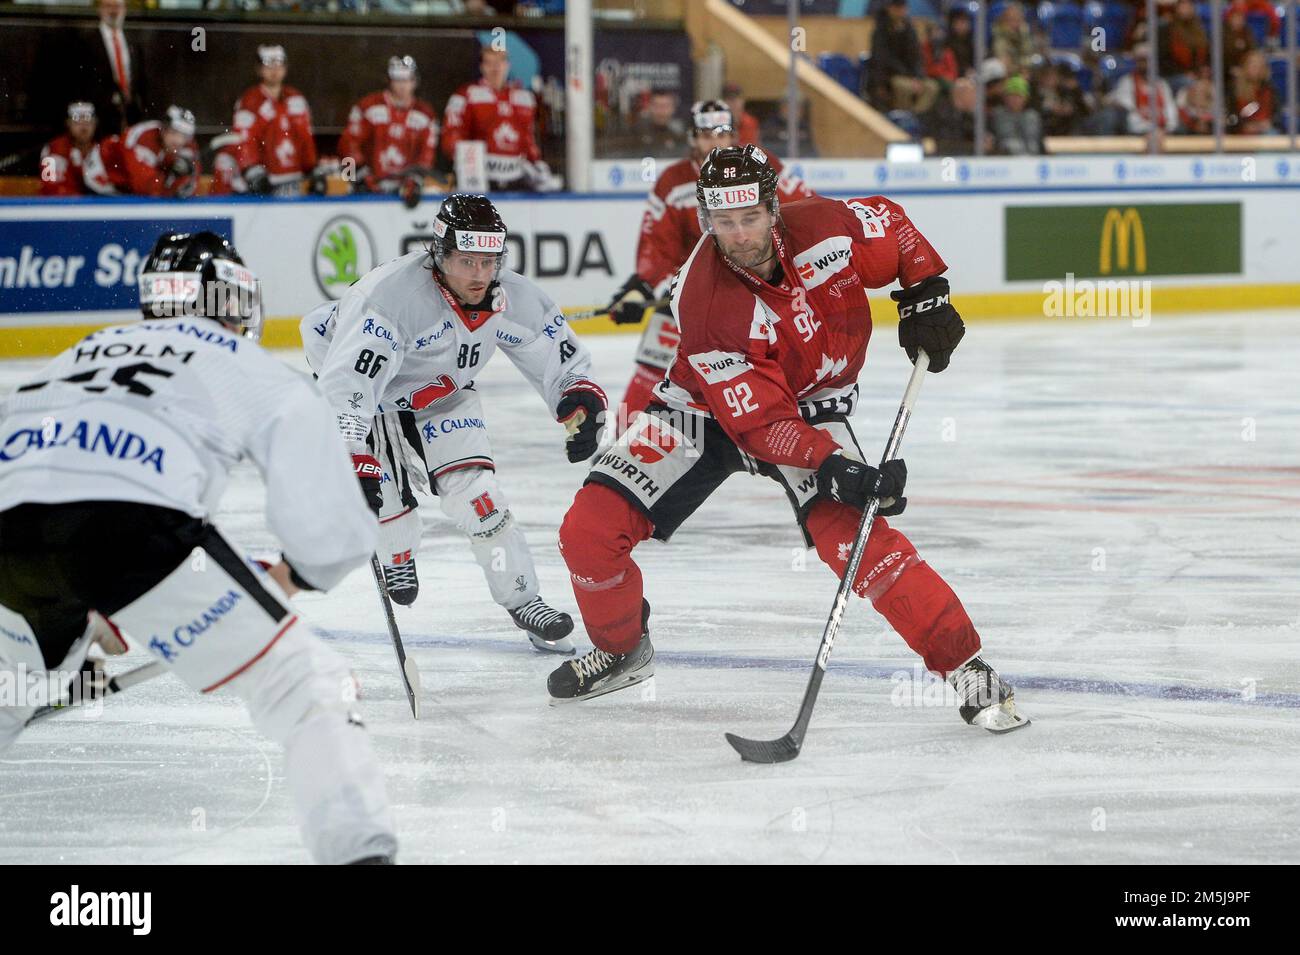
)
(480, 241)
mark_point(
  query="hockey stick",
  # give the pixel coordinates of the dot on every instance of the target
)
(115, 685)
(597, 312)
(410, 675)
(788, 746)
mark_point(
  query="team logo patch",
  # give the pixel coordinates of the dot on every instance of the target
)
(653, 443)
(483, 506)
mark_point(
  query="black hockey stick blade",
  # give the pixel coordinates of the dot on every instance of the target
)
(765, 750)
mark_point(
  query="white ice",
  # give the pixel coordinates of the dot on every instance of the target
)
(1115, 505)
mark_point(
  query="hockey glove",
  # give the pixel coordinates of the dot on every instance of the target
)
(371, 477)
(583, 414)
(412, 190)
(257, 181)
(849, 481)
(629, 302)
(926, 319)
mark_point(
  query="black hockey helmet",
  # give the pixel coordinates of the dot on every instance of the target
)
(735, 177)
(200, 274)
(468, 223)
(712, 116)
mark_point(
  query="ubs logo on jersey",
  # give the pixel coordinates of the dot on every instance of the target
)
(817, 264)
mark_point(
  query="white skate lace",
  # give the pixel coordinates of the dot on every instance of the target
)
(591, 664)
(400, 576)
(536, 615)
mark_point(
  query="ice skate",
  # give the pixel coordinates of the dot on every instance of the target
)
(986, 699)
(401, 582)
(548, 629)
(596, 673)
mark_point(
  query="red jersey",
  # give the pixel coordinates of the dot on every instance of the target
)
(389, 139)
(61, 172)
(137, 164)
(275, 133)
(670, 227)
(751, 350)
(503, 119)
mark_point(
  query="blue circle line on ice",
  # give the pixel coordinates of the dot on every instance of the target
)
(714, 661)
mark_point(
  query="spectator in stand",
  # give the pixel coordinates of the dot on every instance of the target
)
(747, 131)
(776, 131)
(154, 158)
(896, 77)
(994, 73)
(1196, 105)
(1132, 95)
(1265, 7)
(657, 131)
(1254, 101)
(1059, 100)
(960, 39)
(391, 138)
(108, 71)
(951, 123)
(63, 157)
(1184, 46)
(1017, 129)
(276, 150)
(1013, 42)
(501, 114)
(1238, 40)
(940, 61)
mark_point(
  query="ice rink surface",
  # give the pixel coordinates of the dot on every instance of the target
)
(1116, 506)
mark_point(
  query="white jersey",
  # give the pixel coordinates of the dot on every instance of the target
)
(159, 411)
(397, 341)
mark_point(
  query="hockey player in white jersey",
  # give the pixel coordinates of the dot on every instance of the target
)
(397, 357)
(112, 461)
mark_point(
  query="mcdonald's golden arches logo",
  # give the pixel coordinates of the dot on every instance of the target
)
(1118, 230)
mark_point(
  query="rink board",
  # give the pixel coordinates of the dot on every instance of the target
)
(67, 266)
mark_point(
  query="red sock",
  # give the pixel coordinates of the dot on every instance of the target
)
(596, 540)
(916, 601)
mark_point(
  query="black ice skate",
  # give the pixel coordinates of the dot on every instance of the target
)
(986, 699)
(547, 629)
(401, 583)
(597, 673)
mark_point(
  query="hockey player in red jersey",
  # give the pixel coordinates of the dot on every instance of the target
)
(392, 137)
(63, 157)
(275, 149)
(155, 158)
(502, 114)
(670, 229)
(772, 306)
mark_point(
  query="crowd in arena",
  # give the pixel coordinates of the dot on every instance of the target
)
(391, 142)
(1074, 69)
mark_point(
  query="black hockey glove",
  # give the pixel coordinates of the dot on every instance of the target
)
(844, 479)
(629, 302)
(926, 319)
(371, 477)
(412, 189)
(583, 414)
(257, 181)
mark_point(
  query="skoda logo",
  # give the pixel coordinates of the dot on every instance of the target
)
(342, 253)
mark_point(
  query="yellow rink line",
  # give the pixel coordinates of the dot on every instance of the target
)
(34, 341)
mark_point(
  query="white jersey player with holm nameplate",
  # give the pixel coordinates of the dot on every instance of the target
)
(113, 459)
(397, 357)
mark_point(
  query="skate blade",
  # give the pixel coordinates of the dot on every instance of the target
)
(1002, 718)
(563, 646)
(615, 684)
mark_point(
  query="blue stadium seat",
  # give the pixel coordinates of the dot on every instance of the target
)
(1112, 68)
(1206, 13)
(842, 70)
(1277, 69)
(1067, 27)
(1258, 24)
